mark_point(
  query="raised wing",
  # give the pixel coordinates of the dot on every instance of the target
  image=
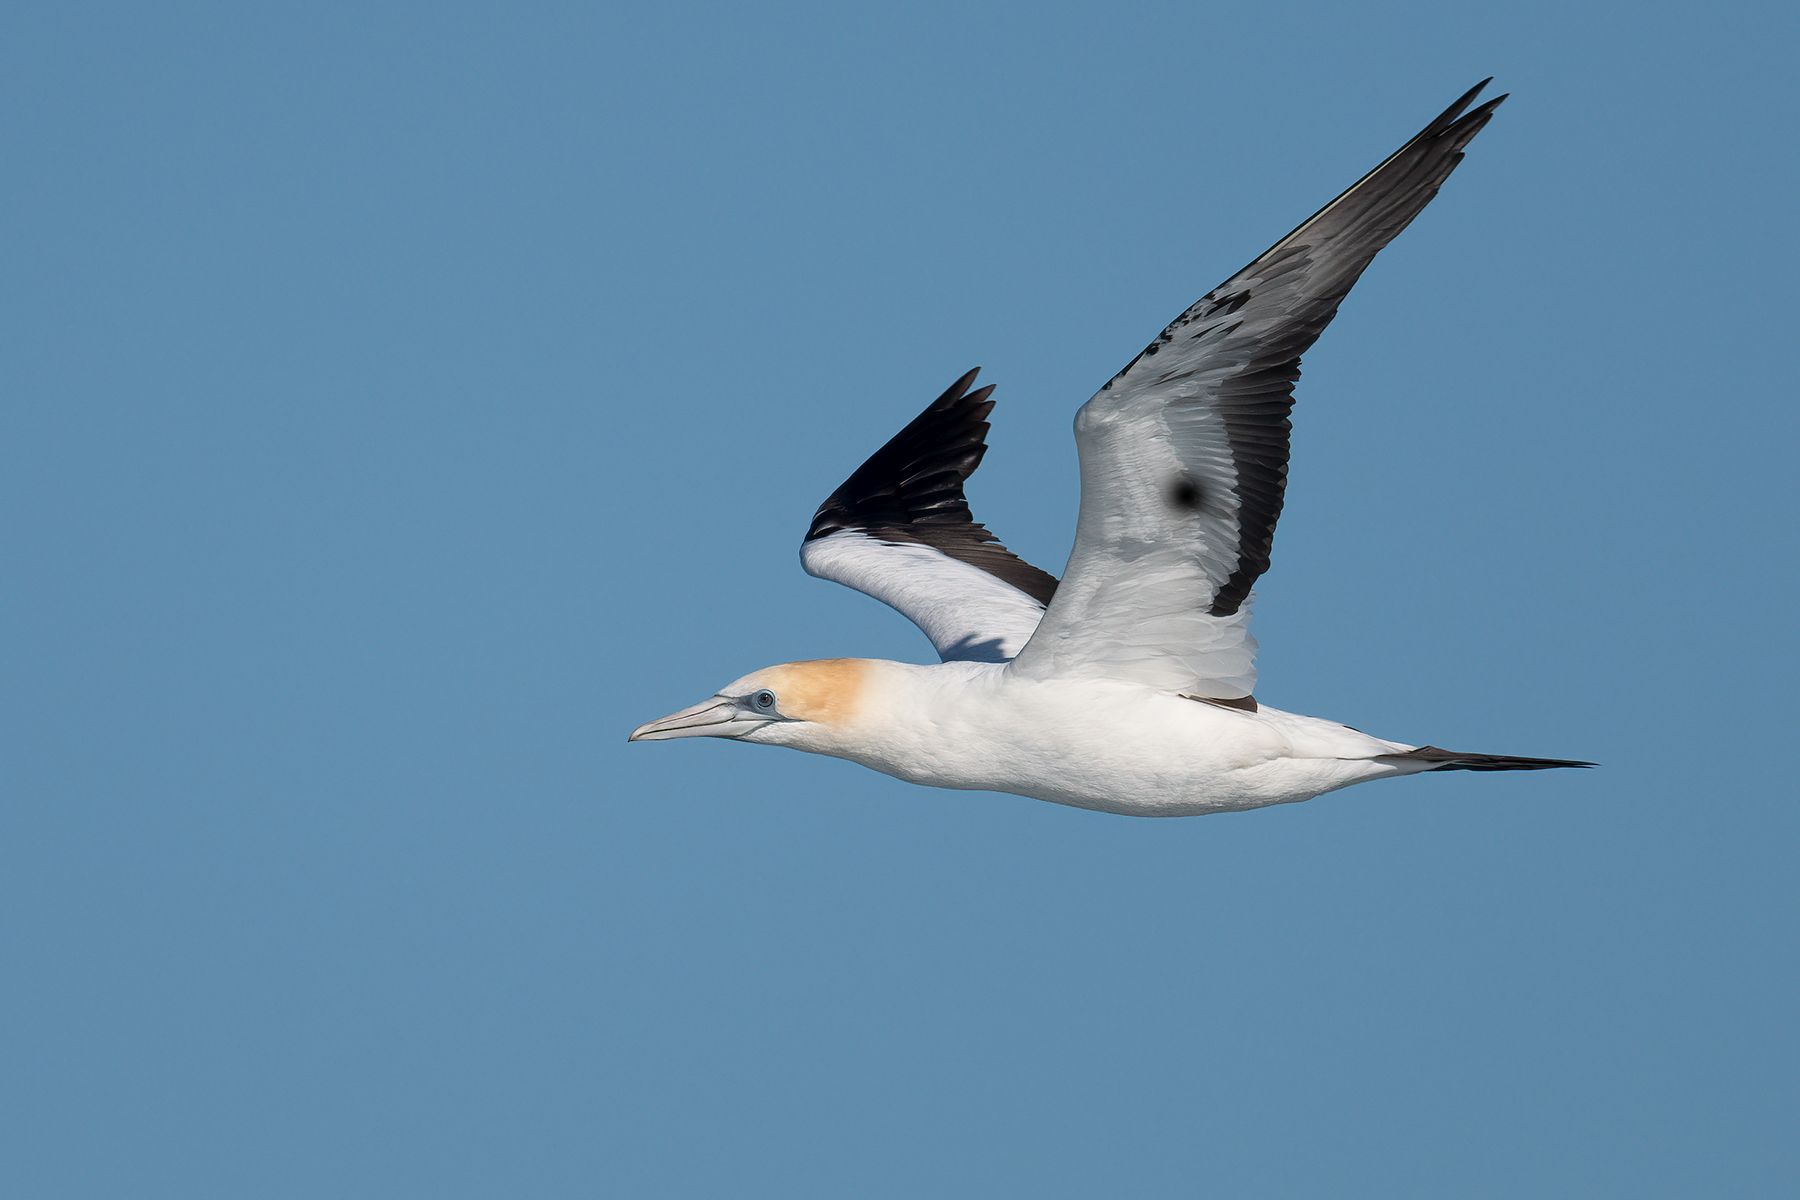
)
(900, 530)
(1184, 453)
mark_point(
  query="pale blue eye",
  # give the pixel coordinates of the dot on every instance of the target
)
(763, 701)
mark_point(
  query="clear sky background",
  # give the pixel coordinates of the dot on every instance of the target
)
(399, 403)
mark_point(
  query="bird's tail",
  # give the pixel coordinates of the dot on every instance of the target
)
(1430, 758)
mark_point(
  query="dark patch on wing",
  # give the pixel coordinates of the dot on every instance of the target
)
(1186, 493)
(911, 491)
(1278, 306)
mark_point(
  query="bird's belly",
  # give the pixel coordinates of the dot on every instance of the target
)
(1164, 757)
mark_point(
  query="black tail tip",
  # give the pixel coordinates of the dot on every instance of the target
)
(1456, 760)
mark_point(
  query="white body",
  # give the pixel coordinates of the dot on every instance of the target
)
(1114, 747)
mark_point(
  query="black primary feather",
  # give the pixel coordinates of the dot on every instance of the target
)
(911, 491)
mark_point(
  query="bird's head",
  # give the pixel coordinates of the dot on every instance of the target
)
(808, 705)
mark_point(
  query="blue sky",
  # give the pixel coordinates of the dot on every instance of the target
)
(401, 403)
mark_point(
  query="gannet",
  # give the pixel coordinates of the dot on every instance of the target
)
(1128, 686)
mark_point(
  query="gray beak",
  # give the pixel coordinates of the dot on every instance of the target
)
(717, 717)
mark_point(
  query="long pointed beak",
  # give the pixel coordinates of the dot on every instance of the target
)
(717, 717)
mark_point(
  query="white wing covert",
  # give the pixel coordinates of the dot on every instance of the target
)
(900, 530)
(1184, 452)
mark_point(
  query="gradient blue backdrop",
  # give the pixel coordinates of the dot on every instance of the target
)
(400, 403)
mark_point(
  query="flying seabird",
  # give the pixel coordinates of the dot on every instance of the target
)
(1128, 686)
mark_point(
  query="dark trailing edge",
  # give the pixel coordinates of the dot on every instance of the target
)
(911, 490)
(1273, 310)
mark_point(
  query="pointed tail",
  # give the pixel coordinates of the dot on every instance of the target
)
(1433, 759)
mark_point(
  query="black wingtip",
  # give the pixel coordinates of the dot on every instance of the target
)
(917, 476)
(1481, 112)
(1468, 97)
(1456, 117)
(958, 392)
(911, 490)
(1448, 117)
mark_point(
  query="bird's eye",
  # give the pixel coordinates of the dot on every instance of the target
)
(763, 701)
